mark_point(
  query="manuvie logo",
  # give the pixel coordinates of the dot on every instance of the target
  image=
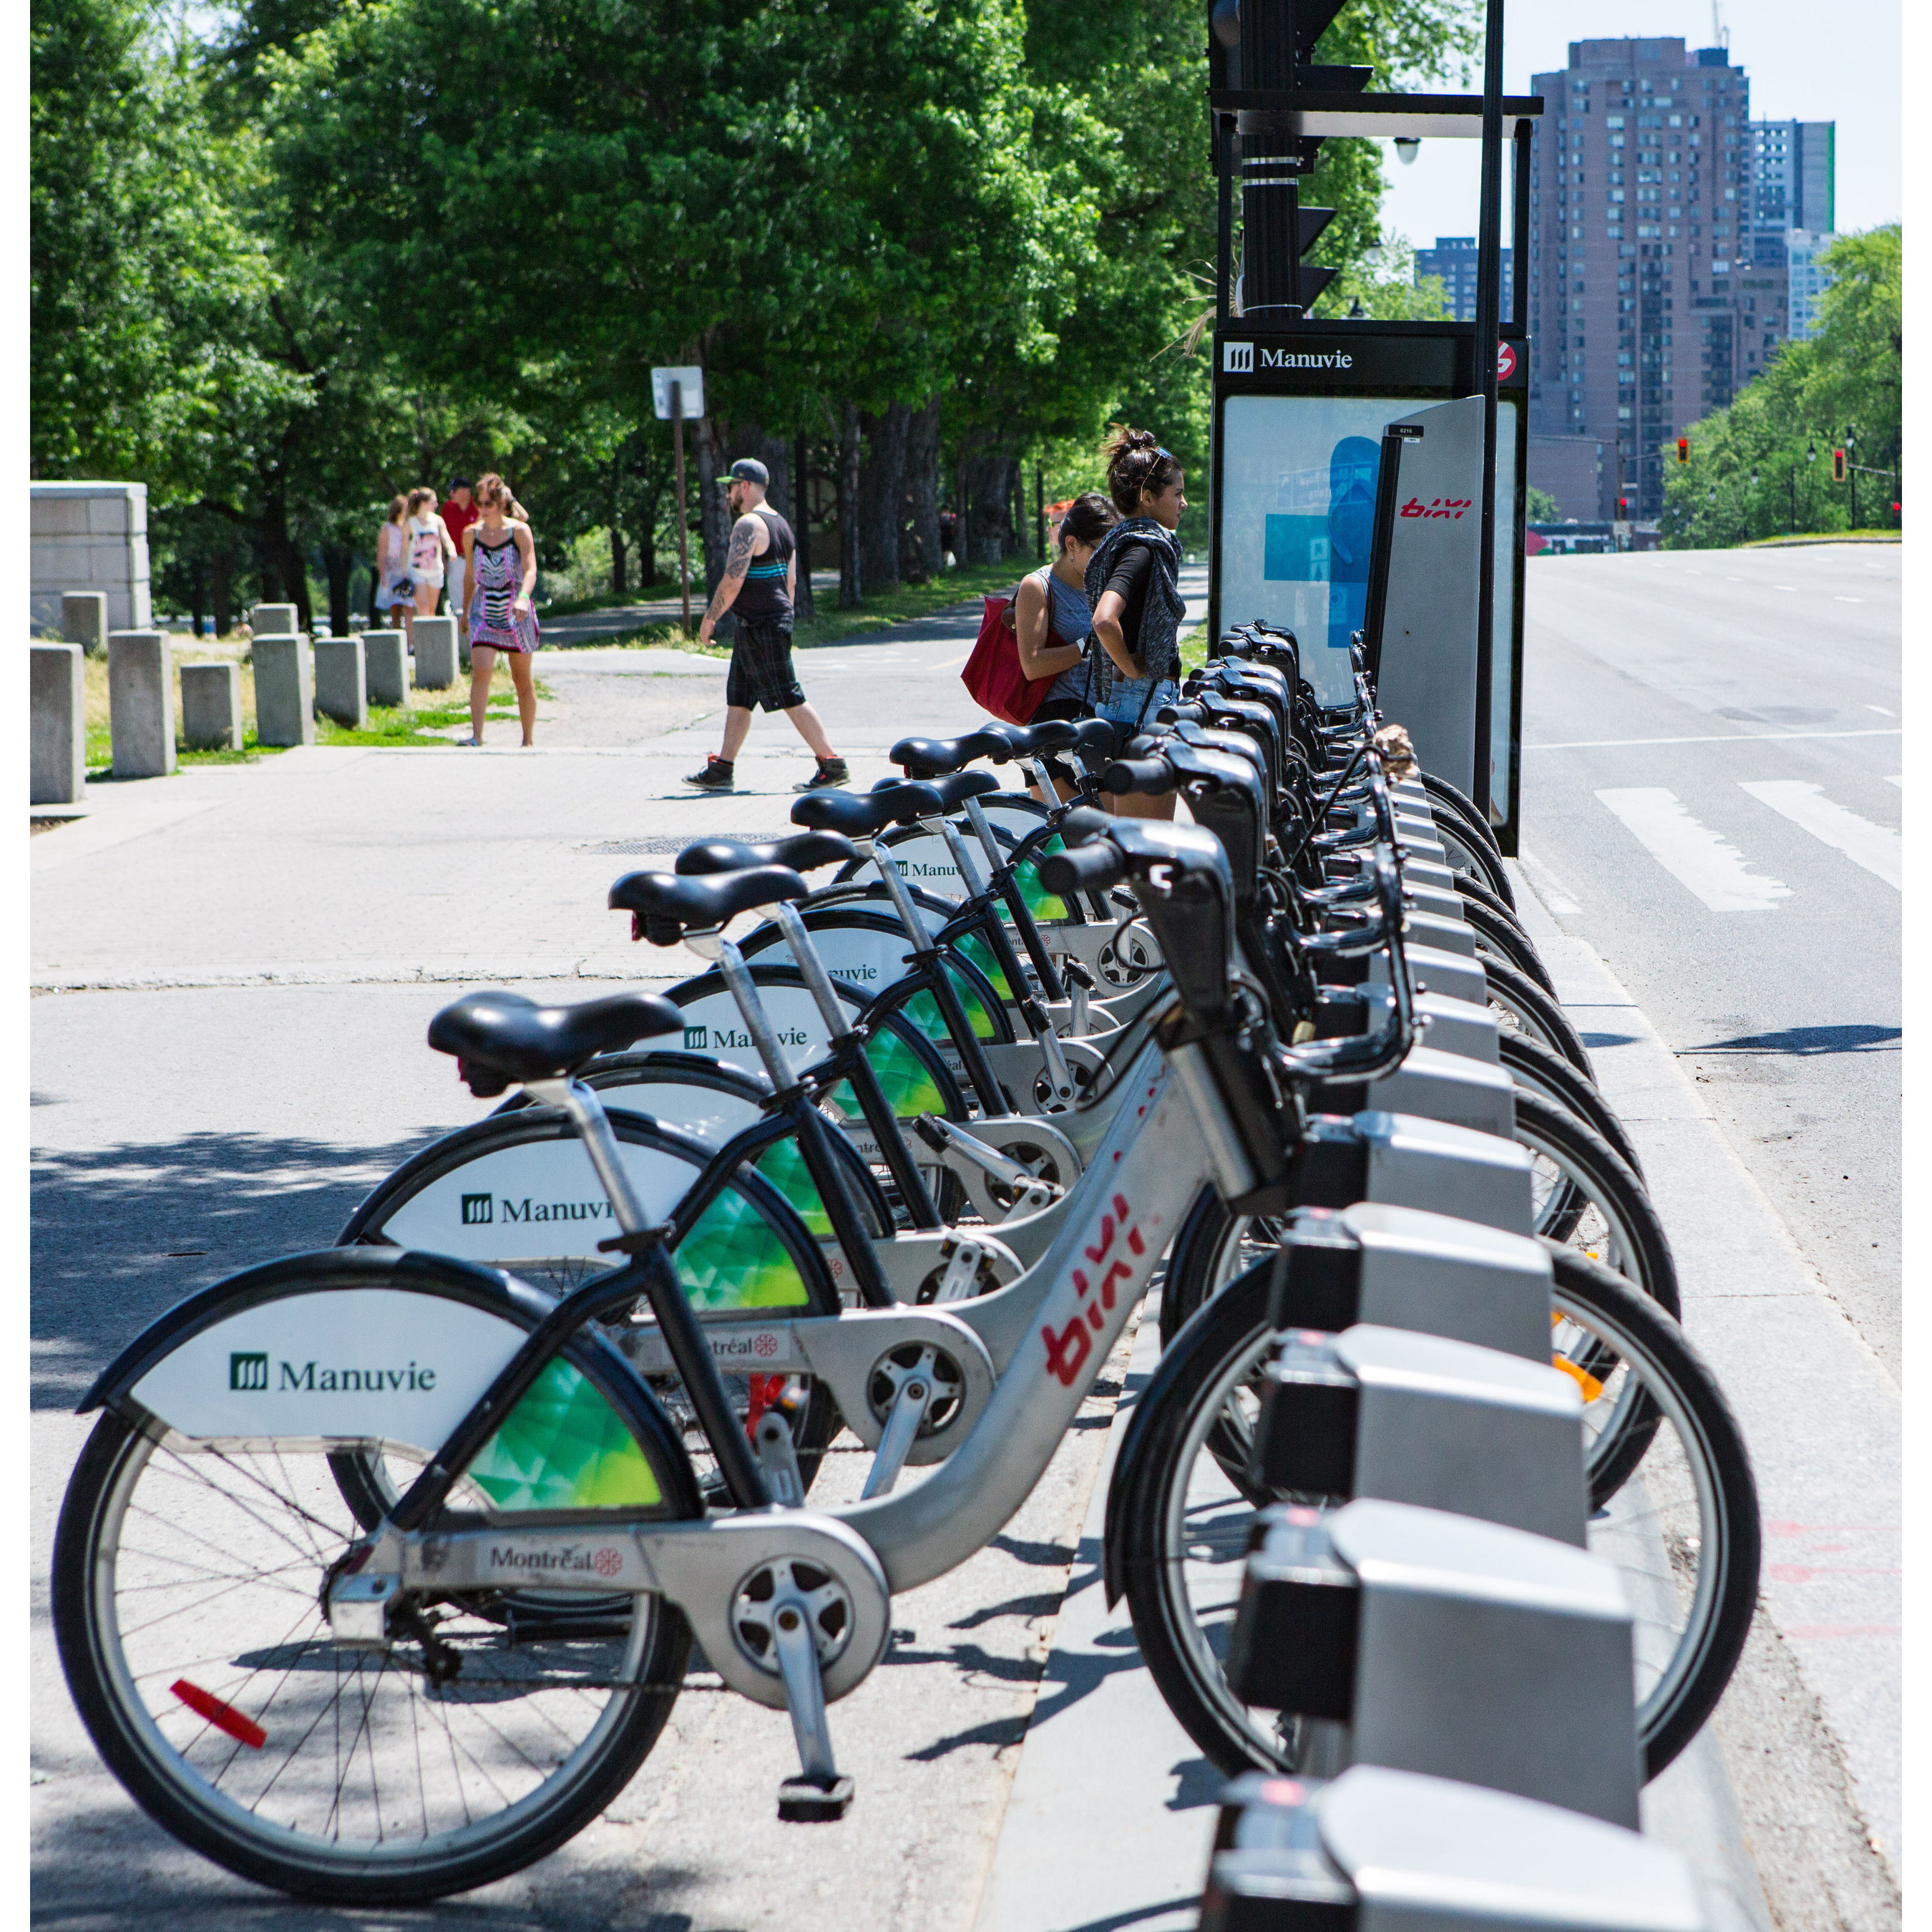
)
(1237, 358)
(697, 1039)
(479, 1210)
(248, 1372)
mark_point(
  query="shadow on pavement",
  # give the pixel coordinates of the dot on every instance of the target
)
(1808, 1041)
(121, 1233)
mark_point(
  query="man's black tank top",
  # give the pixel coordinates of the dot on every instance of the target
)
(763, 599)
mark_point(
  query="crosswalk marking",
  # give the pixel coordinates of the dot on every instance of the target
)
(1898, 779)
(1876, 848)
(1692, 853)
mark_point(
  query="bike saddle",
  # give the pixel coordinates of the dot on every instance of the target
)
(934, 757)
(663, 907)
(865, 814)
(1024, 741)
(955, 791)
(803, 852)
(502, 1038)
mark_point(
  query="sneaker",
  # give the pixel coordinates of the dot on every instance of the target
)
(716, 775)
(830, 771)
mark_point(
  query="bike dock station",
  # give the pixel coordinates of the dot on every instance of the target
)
(1422, 1543)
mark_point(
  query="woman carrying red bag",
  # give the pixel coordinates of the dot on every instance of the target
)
(1052, 621)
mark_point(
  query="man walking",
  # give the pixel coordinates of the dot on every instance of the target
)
(458, 513)
(760, 577)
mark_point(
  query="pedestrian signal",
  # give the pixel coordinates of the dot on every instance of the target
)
(1683, 449)
(1837, 466)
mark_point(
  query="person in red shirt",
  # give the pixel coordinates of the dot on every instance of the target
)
(458, 514)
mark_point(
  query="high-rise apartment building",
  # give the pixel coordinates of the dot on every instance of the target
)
(1647, 307)
(1453, 258)
(1793, 181)
(1808, 280)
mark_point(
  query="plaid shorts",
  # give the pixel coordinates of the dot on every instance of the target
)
(761, 676)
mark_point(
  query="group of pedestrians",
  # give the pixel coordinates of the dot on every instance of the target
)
(477, 551)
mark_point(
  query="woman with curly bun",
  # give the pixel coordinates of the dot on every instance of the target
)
(1132, 583)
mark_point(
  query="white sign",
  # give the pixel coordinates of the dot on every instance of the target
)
(693, 380)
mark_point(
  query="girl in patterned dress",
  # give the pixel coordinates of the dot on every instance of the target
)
(499, 581)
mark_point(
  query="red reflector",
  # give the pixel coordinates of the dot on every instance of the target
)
(223, 1717)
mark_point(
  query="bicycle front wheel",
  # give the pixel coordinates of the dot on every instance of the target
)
(1676, 1510)
(188, 1583)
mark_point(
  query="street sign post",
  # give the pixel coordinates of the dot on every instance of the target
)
(678, 392)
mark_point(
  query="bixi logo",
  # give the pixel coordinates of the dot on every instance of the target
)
(1237, 358)
(479, 1210)
(248, 1372)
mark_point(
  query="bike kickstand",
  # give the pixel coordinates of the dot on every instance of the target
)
(818, 1794)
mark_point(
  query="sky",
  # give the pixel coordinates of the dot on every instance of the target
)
(1848, 72)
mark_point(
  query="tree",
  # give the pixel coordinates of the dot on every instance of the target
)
(1761, 466)
(142, 269)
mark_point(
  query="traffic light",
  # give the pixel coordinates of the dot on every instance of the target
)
(1683, 449)
(1623, 506)
(1837, 466)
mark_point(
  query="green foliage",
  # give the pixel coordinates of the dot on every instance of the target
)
(1762, 466)
(1541, 506)
(143, 275)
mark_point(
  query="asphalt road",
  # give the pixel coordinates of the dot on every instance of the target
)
(1711, 796)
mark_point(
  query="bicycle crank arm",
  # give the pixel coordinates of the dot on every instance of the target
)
(715, 1570)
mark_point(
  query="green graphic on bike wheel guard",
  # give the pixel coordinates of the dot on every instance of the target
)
(973, 947)
(922, 1009)
(783, 1165)
(562, 1447)
(909, 1089)
(732, 1258)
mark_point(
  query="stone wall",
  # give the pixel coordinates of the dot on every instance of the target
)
(90, 536)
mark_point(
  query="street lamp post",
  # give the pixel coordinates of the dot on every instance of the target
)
(1811, 457)
(1852, 471)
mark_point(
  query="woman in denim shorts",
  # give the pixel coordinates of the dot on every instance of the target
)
(1131, 582)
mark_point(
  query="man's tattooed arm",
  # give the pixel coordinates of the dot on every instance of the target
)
(737, 561)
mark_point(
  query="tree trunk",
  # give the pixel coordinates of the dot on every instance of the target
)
(281, 558)
(220, 571)
(881, 494)
(337, 561)
(714, 519)
(851, 578)
(1015, 507)
(922, 494)
(647, 545)
(197, 595)
(986, 474)
(804, 610)
(618, 562)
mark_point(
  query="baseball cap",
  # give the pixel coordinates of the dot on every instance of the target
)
(748, 469)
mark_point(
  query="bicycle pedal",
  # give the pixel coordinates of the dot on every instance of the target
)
(805, 1800)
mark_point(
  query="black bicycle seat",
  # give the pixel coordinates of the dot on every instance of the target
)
(1025, 741)
(865, 814)
(953, 791)
(502, 1039)
(664, 907)
(803, 852)
(934, 757)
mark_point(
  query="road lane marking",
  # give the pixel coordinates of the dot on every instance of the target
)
(1876, 848)
(1693, 854)
(1784, 586)
(1881, 710)
(1898, 779)
(1716, 738)
(1848, 600)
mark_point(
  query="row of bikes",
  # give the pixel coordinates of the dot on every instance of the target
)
(383, 1566)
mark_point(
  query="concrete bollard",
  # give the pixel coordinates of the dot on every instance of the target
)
(436, 653)
(59, 712)
(211, 696)
(84, 619)
(284, 692)
(141, 704)
(385, 662)
(341, 682)
(273, 620)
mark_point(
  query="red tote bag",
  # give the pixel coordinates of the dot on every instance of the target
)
(992, 677)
